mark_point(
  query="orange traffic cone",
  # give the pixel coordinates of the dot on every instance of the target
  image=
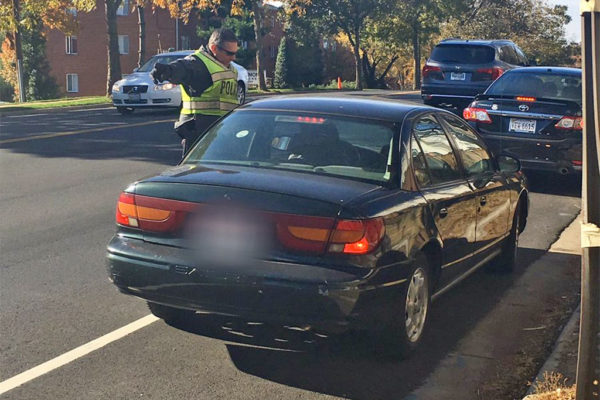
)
(339, 83)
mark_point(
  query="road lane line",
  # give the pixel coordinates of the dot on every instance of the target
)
(83, 131)
(74, 354)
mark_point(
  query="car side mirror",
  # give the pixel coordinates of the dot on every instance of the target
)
(508, 163)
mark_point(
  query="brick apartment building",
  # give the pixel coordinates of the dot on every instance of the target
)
(79, 62)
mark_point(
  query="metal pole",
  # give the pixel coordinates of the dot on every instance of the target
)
(18, 51)
(588, 368)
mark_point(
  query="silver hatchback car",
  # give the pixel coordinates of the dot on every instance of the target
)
(137, 90)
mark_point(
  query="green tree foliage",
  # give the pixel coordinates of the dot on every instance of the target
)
(536, 27)
(281, 66)
(38, 83)
(305, 64)
(346, 16)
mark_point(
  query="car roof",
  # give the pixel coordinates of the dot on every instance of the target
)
(175, 53)
(346, 105)
(547, 70)
(475, 42)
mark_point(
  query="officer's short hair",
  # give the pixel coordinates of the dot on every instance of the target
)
(219, 36)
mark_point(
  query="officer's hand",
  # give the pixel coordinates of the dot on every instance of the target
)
(160, 72)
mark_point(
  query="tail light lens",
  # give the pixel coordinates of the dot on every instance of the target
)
(432, 71)
(151, 213)
(477, 115)
(487, 74)
(570, 123)
(318, 234)
(296, 232)
(525, 99)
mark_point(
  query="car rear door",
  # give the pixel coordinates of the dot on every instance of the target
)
(490, 186)
(450, 197)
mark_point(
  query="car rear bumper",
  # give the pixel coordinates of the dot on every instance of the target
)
(272, 291)
(431, 91)
(563, 156)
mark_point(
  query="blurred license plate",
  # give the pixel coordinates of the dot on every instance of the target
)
(134, 97)
(522, 125)
(457, 76)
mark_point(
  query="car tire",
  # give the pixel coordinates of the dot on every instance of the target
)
(125, 110)
(401, 337)
(241, 93)
(507, 260)
(170, 314)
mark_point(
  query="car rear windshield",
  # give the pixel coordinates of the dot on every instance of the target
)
(462, 54)
(538, 85)
(147, 67)
(305, 142)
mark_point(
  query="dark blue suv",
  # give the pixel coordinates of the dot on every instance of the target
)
(458, 70)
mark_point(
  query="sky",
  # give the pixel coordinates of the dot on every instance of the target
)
(573, 28)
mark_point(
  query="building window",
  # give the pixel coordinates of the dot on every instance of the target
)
(185, 42)
(71, 44)
(123, 44)
(72, 83)
(244, 44)
(273, 50)
(123, 8)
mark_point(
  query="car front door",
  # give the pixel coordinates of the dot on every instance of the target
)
(489, 185)
(450, 197)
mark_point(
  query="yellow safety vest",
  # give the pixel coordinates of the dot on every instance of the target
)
(218, 99)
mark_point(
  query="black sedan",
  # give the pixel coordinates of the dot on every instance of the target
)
(533, 114)
(333, 213)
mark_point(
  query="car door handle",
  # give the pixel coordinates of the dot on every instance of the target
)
(443, 212)
(483, 200)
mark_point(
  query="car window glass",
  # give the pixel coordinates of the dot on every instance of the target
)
(438, 153)
(509, 55)
(475, 158)
(522, 58)
(419, 165)
(147, 67)
(540, 85)
(462, 54)
(306, 142)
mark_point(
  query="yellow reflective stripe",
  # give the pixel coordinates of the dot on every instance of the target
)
(203, 112)
(218, 76)
(228, 106)
(201, 105)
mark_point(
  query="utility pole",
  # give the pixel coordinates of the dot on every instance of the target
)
(18, 50)
(588, 360)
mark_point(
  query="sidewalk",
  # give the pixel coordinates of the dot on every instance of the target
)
(563, 358)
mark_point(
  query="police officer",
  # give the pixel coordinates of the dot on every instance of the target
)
(208, 84)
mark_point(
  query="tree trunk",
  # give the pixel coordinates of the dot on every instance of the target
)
(416, 56)
(114, 62)
(18, 51)
(357, 60)
(257, 11)
(142, 38)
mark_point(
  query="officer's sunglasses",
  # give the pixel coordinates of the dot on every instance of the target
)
(229, 53)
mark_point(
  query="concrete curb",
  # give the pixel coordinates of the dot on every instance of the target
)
(53, 109)
(560, 347)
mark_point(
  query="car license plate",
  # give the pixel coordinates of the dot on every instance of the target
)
(457, 76)
(134, 97)
(522, 125)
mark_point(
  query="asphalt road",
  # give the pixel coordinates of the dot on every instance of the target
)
(60, 175)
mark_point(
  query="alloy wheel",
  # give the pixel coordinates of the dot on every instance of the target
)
(416, 305)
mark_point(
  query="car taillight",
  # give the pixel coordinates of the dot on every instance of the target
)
(489, 73)
(151, 213)
(570, 123)
(477, 115)
(319, 234)
(525, 99)
(430, 70)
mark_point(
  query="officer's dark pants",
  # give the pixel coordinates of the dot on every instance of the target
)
(191, 128)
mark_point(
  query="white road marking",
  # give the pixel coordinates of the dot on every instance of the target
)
(74, 354)
(23, 115)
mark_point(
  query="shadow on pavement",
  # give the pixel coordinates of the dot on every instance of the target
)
(554, 183)
(345, 365)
